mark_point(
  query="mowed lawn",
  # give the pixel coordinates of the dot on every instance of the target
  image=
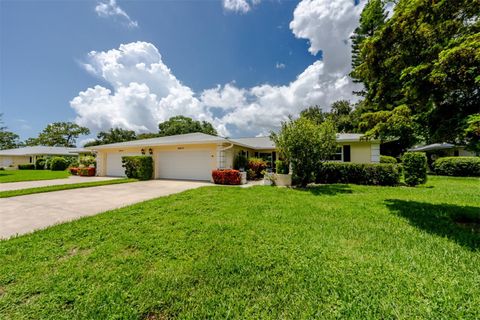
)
(31, 175)
(337, 251)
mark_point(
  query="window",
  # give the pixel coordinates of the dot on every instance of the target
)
(337, 156)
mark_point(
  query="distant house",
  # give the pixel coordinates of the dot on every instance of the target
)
(193, 156)
(13, 157)
(436, 150)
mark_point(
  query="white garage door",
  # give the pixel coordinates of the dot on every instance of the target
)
(186, 165)
(114, 164)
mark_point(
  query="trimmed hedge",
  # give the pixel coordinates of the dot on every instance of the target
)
(457, 166)
(388, 159)
(29, 166)
(414, 168)
(40, 164)
(138, 167)
(382, 174)
(58, 164)
(86, 172)
(226, 176)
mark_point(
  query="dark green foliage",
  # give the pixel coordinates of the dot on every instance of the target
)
(8, 139)
(58, 164)
(341, 114)
(40, 164)
(182, 125)
(415, 168)
(240, 162)
(472, 132)
(138, 167)
(29, 166)
(59, 134)
(281, 167)
(388, 159)
(256, 166)
(457, 166)
(114, 135)
(359, 173)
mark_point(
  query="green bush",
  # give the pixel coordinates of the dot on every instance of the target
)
(138, 167)
(40, 164)
(255, 168)
(457, 166)
(240, 162)
(281, 167)
(388, 159)
(382, 174)
(29, 166)
(58, 164)
(415, 168)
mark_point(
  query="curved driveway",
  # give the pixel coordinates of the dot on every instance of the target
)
(24, 214)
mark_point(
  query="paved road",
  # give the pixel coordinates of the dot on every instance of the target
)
(54, 182)
(24, 214)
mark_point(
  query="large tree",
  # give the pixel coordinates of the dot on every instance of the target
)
(305, 144)
(59, 134)
(181, 125)
(341, 114)
(8, 139)
(112, 136)
(426, 57)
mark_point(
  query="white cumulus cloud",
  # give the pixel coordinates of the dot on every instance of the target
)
(110, 8)
(240, 6)
(143, 91)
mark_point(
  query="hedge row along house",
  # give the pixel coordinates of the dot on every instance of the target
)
(193, 156)
(11, 158)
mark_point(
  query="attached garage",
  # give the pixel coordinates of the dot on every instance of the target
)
(184, 164)
(114, 164)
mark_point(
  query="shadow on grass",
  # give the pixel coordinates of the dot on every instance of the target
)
(328, 189)
(458, 223)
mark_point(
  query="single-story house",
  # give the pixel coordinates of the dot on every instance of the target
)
(443, 149)
(193, 156)
(13, 157)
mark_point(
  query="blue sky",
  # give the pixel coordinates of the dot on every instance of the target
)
(44, 48)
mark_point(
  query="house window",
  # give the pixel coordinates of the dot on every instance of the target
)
(268, 157)
(31, 160)
(337, 156)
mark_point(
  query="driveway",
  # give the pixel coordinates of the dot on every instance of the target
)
(54, 182)
(24, 214)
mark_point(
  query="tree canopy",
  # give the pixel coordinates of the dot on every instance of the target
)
(8, 139)
(112, 136)
(425, 57)
(182, 125)
(59, 134)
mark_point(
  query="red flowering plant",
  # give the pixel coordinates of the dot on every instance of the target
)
(226, 176)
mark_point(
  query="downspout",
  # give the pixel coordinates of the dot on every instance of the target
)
(223, 150)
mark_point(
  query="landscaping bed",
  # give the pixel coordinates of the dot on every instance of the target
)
(332, 251)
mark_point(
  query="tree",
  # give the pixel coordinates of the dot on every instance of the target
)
(426, 56)
(472, 132)
(59, 134)
(112, 136)
(182, 125)
(341, 113)
(314, 114)
(305, 144)
(8, 139)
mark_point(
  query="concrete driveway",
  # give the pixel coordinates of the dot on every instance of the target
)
(24, 214)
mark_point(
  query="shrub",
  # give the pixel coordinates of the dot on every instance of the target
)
(415, 168)
(383, 174)
(2, 169)
(58, 164)
(73, 170)
(240, 162)
(281, 167)
(40, 164)
(226, 176)
(457, 166)
(388, 159)
(255, 168)
(86, 172)
(88, 161)
(29, 166)
(138, 167)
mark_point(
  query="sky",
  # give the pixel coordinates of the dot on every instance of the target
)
(243, 65)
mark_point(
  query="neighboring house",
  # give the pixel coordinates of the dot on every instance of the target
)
(437, 150)
(13, 157)
(193, 156)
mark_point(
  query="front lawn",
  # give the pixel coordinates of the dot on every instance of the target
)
(336, 251)
(31, 175)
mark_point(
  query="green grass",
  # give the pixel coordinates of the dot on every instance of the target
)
(336, 251)
(31, 175)
(23, 192)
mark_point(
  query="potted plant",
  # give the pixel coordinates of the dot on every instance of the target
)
(281, 178)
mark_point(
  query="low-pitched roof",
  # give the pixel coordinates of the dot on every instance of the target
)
(433, 147)
(43, 150)
(259, 143)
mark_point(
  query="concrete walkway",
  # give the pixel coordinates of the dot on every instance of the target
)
(24, 214)
(54, 182)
